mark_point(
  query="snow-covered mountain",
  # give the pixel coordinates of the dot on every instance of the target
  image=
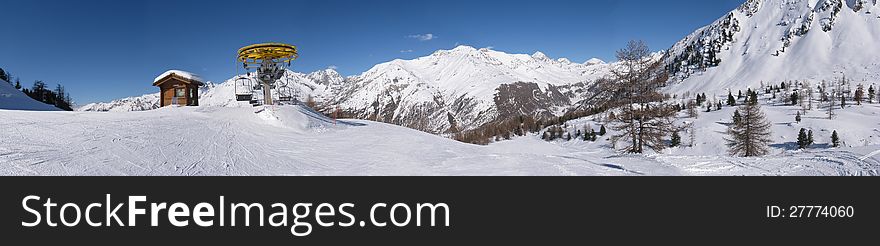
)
(138, 103)
(780, 40)
(465, 87)
(461, 88)
(762, 41)
(318, 84)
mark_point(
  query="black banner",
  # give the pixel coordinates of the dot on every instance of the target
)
(480, 210)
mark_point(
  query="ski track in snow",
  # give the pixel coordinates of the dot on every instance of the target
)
(291, 140)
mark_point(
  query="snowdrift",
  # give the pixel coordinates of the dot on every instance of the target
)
(13, 99)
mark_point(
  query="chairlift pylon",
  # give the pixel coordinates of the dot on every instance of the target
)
(269, 59)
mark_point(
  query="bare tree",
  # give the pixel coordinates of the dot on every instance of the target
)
(750, 135)
(809, 88)
(692, 109)
(645, 119)
(802, 96)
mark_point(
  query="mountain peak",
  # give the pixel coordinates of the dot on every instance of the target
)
(326, 71)
(463, 48)
(540, 56)
(594, 61)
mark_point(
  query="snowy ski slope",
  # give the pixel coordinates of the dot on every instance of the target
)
(292, 140)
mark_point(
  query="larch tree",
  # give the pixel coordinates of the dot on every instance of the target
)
(831, 106)
(751, 135)
(645, 119)
(860, 94)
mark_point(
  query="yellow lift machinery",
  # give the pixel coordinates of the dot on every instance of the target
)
(271, 61)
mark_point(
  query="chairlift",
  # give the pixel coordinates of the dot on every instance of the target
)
(268, 59)
(241, 92)
(284, 91)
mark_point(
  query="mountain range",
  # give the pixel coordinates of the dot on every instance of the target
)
(762, 41)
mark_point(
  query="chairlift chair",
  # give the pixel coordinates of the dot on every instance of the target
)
(284, 90)
(242, 94)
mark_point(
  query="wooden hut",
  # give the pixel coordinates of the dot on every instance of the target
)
(178, 88)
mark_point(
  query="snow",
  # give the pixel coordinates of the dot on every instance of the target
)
(463, 74)
(293, 140)
(139, 103)
(850, 47)
(432, 87)
(13, 99)
(184, 74)
(594, 61)
(226, 137)
(318, 84)
(857, 125)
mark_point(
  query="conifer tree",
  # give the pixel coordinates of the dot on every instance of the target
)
(718, 105)
(737, 117)
(753, 98)
(871, 94)
(860, 94)
(810, 138)
(602, 131)
(730, 100)
(794, 98)
(842, 102)
(751, 136)
(587, 130)
(676, 140)
(835, 140)
(797, 118)
(802, 139)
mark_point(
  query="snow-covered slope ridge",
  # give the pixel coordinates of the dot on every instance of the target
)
(780, 40)
(13, 99)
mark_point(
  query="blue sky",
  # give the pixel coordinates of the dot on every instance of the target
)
(103, 50)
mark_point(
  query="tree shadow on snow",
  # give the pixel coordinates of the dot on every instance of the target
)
(785, 146)
(794, 146)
